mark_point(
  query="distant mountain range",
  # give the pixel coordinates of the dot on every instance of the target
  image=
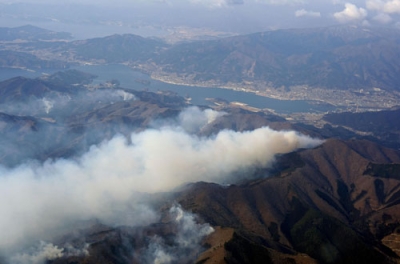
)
(117, 48)
(333, 58)
(31, 33)
(23, 60)
(339, 58)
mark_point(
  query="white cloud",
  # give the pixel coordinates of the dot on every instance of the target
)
(375, 5)
(280, 2)
(383, 18)
(392, 7)
(303, 12)
(254, 15)
(389, 7)
(217, 3)
(351, 13)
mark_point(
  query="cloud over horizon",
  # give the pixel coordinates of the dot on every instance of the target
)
(351, 13)
(246, 15)
(217, 3)
(307, 13)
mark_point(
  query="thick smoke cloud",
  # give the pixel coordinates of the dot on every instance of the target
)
(39, 200)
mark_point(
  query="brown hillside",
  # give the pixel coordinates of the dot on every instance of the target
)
(330, 184)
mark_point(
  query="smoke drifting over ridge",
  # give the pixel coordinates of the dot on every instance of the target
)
(105, 183)
(60, 102)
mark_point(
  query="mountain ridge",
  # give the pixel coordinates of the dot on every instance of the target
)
(313, 57)
(321, 64)
(335, 190)
(30, 32)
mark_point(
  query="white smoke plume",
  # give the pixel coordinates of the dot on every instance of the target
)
(186, 241)
(39, 255)
(64, 103)
(193, 119)
(47, 251)
(48, 105)
(190, 233)
(40, 199)
(36, 106)
(125, 96)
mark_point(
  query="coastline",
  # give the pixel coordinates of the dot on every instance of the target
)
(317, 96)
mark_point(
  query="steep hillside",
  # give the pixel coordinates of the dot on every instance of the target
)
(333, 203)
